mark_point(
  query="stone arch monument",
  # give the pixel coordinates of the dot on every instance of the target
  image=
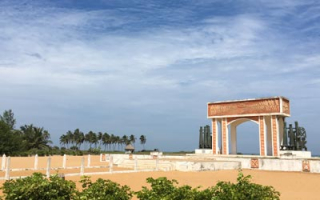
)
(268, 113)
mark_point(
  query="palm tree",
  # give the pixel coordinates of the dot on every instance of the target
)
(106, 140)
(125, 140)
(92, 138)
(118, 141)
(113, 140)
(143, 140)
(35, 137)
(87, 138)
(70, 137)
(100, 134)
(132, 139)
(63, 140)
(78, 137)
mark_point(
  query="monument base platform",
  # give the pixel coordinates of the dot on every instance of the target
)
(203, 151)
(295, 154)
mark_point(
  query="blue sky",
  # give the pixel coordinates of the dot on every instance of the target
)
(150, 67)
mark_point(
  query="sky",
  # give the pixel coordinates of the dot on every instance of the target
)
(150, 67)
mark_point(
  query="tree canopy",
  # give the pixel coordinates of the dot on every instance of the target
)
(8, 118)
(31, 139)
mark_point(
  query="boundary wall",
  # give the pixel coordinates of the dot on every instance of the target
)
(128, 163)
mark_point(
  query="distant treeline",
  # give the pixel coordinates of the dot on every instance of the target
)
(29, 140)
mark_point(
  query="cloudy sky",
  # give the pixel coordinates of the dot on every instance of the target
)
(150, 67)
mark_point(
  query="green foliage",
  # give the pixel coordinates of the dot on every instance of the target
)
(103, 189)
(38, 187)
(143, 140)
(162, 188)
(165, 189)
(10, 141)
(244, 189)
(8, 118)
(94, 151)
(35, 137)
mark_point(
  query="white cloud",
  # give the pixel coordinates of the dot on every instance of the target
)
(73, 60)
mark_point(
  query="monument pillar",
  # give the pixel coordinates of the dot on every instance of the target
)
(262, 135)
(275, 135)
(215, 139)
(225, 139)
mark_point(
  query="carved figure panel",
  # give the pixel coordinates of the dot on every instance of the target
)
(244, 107)
(306, 166)
(254, 163)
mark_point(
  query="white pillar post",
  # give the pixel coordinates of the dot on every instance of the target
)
(82, 166)
(64, 161)
(36, 162)
(3, 163)
(110, 164)
(100, 157)
(157, 162)
(89, 160)
(136, 163)
(7, 175)
(48, 167)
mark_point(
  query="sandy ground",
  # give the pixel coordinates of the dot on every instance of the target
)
(291, 185)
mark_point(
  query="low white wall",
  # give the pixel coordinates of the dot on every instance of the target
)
(210, 162)
(280, 165)
(204, 166)
(314, 166)
(245, 162)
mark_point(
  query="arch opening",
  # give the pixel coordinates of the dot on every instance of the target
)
(244, 137)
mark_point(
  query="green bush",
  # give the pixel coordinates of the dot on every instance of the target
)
(162, 188)
(103, 189)
(243, 189)
(39, 187)
(94, 151)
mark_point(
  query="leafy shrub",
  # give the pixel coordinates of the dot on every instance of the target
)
(162, 188)
(38, 187)
(243, 189)
(94, 151)
(23, 154)
(103, 189)
(74, 148)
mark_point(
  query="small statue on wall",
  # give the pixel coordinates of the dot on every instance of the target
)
(297, 138)
(205, 137)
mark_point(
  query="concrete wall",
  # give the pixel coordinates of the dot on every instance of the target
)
(209, 162)
(280, 165)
